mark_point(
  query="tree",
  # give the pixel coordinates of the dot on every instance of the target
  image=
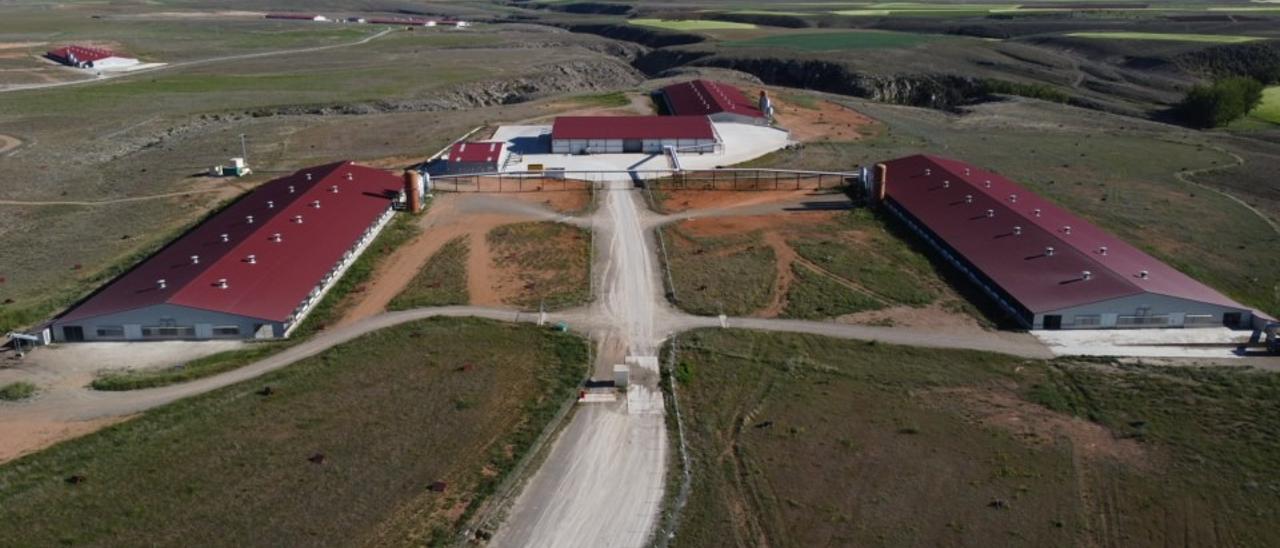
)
(1222, 102)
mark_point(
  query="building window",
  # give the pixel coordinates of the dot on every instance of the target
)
(168, 332)
(1200, 319)
(110, 331)
(1141, 321)
(1089, 320)
(226, 331)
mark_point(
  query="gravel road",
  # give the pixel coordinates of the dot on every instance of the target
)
(603, 479)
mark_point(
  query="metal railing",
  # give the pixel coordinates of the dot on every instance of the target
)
(669, 179)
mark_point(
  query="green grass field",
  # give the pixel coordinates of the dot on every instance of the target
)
(835, 41)
(1269, 109)
(341, 451)
(442, 281)
(1167, 37)
(807, 441)
(690, 24)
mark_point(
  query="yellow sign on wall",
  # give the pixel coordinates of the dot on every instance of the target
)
(535, 167)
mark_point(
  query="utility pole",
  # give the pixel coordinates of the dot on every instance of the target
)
(244, 151)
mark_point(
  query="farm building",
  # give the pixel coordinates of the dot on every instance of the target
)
(717, 100)
(297, 16)
(632, 134)
(480, 157)
(89, 57)
(253, 270)
(1046, 267)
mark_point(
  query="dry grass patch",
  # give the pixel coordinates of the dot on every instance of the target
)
(542, 264)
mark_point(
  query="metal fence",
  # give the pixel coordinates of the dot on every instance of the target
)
(702, 179)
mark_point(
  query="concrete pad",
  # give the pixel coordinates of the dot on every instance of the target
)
(742, 142)
(1218, 342)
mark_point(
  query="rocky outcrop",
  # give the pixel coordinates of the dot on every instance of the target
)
(941, 91)
(560, 78)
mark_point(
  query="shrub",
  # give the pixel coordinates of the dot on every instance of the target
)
(1222, 102)
(15, 391)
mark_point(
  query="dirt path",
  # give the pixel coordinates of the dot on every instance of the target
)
(482, 277)
(72, 411)
(1186, 177)
(117, 200)
(785, 256)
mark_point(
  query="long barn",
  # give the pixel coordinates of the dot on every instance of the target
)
(1046, 267)
(632, 134)
(253, 270)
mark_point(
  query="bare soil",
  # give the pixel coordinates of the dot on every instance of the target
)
(676, 201)
(452, 215)
(27, 435)
(825, 121)
(1038, 426)
(9, 142)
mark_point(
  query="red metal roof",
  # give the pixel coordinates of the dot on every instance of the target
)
(709, 97)
(486, 152)
(82, 54)
(282, 273)
(976, 211)
(632, 127)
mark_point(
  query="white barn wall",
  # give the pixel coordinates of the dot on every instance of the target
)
(1175, 309)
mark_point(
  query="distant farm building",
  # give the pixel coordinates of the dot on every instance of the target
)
(480, 157)
(405, 21)
(297, 16)
(632, 134)
(717, 100)
(253, 270)
(89, 57)
(1046, 267)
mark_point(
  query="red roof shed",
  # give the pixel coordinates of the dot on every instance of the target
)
(1040, 254)
(272, 247)
(485, 152)
(706, 97)
(79, 54)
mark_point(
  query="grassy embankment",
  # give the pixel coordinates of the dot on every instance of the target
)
(806, 441)
(340, 448)
(440, 282)
(401, 229)
(548, 261)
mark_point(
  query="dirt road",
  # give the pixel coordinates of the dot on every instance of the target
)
(603, 480)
